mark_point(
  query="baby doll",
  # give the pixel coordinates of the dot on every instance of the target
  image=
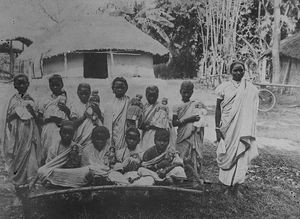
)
(110, 157)
(132, 163)
(161, 117)
(94, 99)
(53, 109)
(200, 110)
(22, 111)
(135, 110)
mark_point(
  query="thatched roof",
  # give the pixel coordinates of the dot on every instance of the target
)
(99, 33)
(290, 46)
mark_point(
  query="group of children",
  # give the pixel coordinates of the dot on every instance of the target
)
(65, 143)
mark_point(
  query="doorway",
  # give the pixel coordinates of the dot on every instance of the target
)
(95, 65)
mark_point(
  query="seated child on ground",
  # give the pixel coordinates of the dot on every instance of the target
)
(129, 158)
(166, 163)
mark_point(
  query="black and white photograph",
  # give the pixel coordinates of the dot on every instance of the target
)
(149, 109)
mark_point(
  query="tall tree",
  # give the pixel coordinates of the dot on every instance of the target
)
(276, 43)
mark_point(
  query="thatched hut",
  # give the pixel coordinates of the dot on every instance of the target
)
(290, 60)
(93, 47)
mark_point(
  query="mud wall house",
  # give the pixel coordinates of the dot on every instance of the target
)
(290, 60)
(93, 47)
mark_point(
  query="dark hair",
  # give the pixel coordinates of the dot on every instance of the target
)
(187, 85)
(161, 134)
(19, 76)
(152, 88)
(120, 79)
(100, 129)
(54, 78)
(133, 129)
(84, 85)
(236, 63)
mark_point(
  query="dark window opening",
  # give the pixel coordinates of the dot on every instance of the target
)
(95, 65)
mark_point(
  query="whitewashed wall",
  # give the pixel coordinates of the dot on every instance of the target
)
(131, 65)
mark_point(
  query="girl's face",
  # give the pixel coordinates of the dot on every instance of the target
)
(56, 87)
(132, 139)
(161, 144)
(151, 97)
(66, 134)
(21, 85)
(99, 141)
(186, 94)
(119, 89)
(237, 72)
(84, 94)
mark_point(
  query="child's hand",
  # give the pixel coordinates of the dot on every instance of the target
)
(96, 109)
(194, 118)
(63, 107)
(162, 173)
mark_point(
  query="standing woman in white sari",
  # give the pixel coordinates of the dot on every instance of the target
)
(236, 113)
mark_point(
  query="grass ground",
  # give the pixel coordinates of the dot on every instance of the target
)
(272, 190)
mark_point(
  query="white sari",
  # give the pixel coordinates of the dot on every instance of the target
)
(238, 125)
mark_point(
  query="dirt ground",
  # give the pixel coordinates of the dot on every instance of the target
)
(272, 189)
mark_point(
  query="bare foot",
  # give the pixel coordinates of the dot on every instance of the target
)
(239, 195)
(236, 191)
(227, 192)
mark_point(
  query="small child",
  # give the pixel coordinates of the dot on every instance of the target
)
(162, 115)
(94, 99)
(110, 157)
(135, 110)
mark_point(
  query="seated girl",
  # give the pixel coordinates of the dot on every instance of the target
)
(128, 158)
(160, 163)
(94, 156)
(62, 166)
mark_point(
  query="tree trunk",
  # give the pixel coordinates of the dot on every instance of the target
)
(276, 43)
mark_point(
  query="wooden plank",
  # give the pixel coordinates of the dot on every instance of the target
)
(277, 85)
(115, 188)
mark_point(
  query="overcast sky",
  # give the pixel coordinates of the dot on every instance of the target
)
(28, 17)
